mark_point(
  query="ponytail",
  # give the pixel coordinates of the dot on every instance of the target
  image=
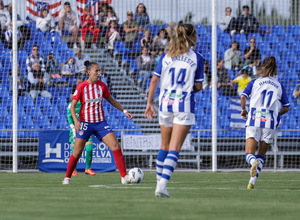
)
(268, 67)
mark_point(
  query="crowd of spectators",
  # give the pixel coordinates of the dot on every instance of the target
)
(136, 29)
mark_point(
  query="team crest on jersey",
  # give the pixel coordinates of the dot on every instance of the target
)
(81, 132)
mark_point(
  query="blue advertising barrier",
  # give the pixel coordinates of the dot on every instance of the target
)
(55, 151)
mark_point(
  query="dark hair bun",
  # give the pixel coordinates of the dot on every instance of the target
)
(86, 63)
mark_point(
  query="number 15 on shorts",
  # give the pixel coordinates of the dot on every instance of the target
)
(84, 126)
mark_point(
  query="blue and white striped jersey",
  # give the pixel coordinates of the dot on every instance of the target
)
(177, 79)
(267, 96)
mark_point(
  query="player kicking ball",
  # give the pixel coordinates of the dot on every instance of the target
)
(90, 93)
(268, 101)
(88, 145)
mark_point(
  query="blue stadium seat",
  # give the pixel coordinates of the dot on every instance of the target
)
(271, 53)
(209, 29)
(65, 92)
(26, 101)
(3, 92)
(271, 38)
(136, 130)
(201, 47)
(118, 127)
(25, 121)
(295, 65)
(20, 111)
(51, 112)
(37, 37)
(136, 47)
(293, 29)
(256, 36)
(28, 46)
(4, 111)
(60, 122)
(5, 56)
(278, 29)
(154, 28)
(240, 38)
(72, 81)
(165, 26)
(42, 121)
(33, 111)
(1, 46)
(225, 39)
(282, 66)
(63, 112)
(52, 37)
(205, 38)
(22, 55)
(201, 29)
(65, 55)
(286, 38)
(53, 90)
(291, 74)
(7, 102)
(62, 46)
(60, 102)
(264, 47)
(280, 47)
(43, 102)
(288, 56)
(119, 47)
(133, 66)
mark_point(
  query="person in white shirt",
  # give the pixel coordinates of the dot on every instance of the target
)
(4, 17)
(68, 22)
(180, 72)
(233, 57)
(228, 23)
(80, 59)
(45, 23)
(8, 38)
(268, 101)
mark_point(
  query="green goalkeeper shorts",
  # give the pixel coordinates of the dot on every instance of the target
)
(72, 140)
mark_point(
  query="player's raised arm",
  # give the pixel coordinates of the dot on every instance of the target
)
(118, 106)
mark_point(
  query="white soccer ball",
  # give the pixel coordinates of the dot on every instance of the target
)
(136, 175)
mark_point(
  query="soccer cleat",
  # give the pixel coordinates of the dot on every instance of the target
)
(66, 181)
(90, 172)
(125, 180)
(253, 170)
(75, 173)
(162, 193)
(250, 186)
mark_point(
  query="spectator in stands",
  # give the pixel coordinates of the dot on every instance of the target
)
(35, 57)
(252, 68)
(68, 22)
(224, 79)
(45, 23)
(147, 40)
(110, 17)
(228, 23)
(69, 68)
(247, 23)
(296, 93)
(141, 17)
(233, 56)
(162, 41)
(251, 53)
(242, 81)
(8, 38)
(131, 30)
(88, 25)
(207, 74)
(104, 77)
(103, 24)
(52, 66)
(79, 63)
(21, 83)
(38, 79)
(146, 64)
(19, 20)
(113, 34)
(4, 17)
(171, 29)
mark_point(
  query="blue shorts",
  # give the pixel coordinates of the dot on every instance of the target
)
(99, 129)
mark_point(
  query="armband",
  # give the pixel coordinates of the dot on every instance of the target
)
(124, 111)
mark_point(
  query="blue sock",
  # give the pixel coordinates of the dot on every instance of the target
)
(250, 158)
(161, 156)
(169, 167)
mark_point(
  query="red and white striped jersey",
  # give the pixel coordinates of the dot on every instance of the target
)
(91, 98)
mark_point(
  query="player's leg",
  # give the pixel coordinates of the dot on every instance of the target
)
(72, 144)
(89, 157)
(163, 152)
(75, 173)
(252, 137)
(178, 136)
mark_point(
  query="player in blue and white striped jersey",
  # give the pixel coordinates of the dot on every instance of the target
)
(180, 71)
(268, 101)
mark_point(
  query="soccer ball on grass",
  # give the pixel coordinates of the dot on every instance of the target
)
(136, 175)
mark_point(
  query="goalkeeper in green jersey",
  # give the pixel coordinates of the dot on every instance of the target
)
(88, 145)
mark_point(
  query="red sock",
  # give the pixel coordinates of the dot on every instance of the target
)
(120, 162)
(71, 165)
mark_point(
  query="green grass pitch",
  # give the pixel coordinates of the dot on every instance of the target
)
(202, 195)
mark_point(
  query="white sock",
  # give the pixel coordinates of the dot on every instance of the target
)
(169, 166)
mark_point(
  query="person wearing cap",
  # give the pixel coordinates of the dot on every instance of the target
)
(247, 23)
(80, 59)
(242, 81)
(131, 29)
(4, 17)
(52, 66)
(68, 22)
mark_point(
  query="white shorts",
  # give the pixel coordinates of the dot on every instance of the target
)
(68, 28)
(260, 134)
(182, 118)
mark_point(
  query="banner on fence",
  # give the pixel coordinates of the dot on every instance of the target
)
(149, 142)
(55, 151)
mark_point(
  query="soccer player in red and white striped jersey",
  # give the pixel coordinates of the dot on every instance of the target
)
(90, 93)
